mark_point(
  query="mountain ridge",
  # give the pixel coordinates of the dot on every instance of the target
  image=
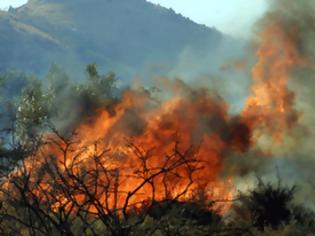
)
(121, 35)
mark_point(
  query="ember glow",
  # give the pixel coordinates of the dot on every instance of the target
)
(149, 148)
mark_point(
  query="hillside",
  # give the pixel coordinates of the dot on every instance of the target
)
(131, 37)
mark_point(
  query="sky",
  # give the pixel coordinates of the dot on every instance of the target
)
(4, 4)
(234, 17)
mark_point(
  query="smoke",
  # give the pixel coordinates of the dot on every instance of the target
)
(291, 26)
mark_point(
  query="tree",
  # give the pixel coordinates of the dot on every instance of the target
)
(99, 86)
(32, 112)
(11, 149)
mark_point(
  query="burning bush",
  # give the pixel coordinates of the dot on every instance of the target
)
(71, 190)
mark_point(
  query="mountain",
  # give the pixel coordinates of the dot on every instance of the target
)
(130, 37)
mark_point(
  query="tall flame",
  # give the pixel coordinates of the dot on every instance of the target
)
(271, 103)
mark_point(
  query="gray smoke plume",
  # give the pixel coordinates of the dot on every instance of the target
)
(293, 160)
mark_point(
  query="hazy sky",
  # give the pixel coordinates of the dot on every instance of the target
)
(234, 17)
(14, 3)
(230, 16)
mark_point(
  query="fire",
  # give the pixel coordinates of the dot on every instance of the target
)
(157, 149)
(271, 103)
(187, 136)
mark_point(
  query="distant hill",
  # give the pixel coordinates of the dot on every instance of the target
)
(130, 37)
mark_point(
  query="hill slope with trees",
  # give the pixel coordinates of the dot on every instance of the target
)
(134, 37)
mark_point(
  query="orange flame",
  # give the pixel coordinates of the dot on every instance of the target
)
(271, 103)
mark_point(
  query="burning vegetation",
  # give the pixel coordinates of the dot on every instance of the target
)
(91, 159)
